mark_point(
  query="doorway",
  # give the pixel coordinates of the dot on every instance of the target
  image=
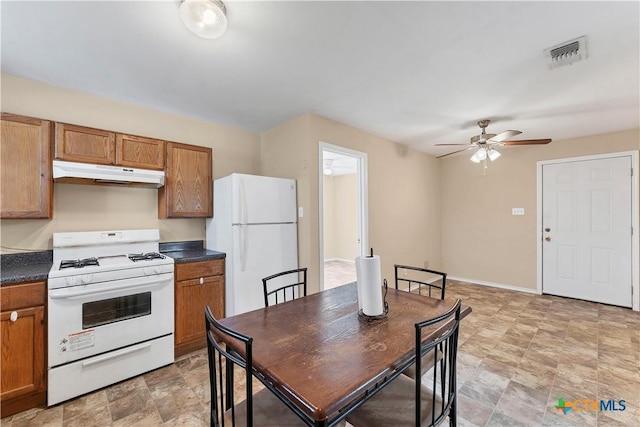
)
(587, 210)
(342, 177)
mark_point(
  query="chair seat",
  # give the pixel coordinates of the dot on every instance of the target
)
(268, 411)
(427, 363)
(394, 406)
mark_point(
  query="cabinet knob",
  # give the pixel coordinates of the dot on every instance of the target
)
(13, 316)
(202, 280)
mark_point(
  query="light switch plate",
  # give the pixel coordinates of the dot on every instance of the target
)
(300, 212)
(517, 211)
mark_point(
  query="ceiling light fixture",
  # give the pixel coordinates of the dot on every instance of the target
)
(479, 155)
(204, 18)
(328, 167)
(493, 154)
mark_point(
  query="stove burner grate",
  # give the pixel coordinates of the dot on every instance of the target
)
(144, 257)
(78, 263)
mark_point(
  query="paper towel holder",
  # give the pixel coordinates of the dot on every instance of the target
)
(385, 313)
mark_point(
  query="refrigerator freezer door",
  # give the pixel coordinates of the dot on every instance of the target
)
(258, 251)
(262, 200)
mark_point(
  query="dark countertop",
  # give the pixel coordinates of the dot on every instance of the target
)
(35, 266)
(189, 251)
(25, 267)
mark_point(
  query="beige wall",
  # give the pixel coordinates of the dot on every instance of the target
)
(340, 216)
(482, 240)
(84, 207)
(404, 190)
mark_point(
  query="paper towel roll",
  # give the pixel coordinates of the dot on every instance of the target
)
(369, 285)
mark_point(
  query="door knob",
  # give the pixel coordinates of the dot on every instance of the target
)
(547, 229)
(548, 239)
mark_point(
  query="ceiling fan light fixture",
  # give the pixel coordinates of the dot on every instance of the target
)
(493, 154)
(327, 171)
(479, 155)
(204, 18)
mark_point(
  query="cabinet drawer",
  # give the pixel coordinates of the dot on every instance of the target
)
(207, 280)
(14, 297)
(195, 270)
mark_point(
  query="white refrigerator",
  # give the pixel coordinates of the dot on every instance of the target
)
(254, 223)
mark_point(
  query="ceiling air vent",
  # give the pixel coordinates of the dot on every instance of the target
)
(567, 53)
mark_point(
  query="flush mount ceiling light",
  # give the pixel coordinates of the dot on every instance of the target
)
(205, 18)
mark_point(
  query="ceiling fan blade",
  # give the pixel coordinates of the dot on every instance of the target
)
(459, 151)
(504, 135)
(527, 142)
(449, 144)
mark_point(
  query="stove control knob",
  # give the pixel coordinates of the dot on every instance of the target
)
(152, 270)
(72, 280)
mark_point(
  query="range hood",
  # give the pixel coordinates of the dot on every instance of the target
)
(104, 174)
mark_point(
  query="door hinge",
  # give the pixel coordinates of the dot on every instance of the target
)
(631, 171)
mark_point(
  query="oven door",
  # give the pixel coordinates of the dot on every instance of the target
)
(92, 319)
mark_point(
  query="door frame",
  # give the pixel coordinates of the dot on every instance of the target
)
(635, 238)
(363, 210)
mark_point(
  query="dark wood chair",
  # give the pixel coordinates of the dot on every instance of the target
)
(408, 402)
(285, 286)
(262, 408)
(422, 281)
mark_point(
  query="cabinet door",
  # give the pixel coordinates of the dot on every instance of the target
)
(139, 152)
(82, 144)
(23, 364)
(187, 192)
(192, 296)
(25, 167)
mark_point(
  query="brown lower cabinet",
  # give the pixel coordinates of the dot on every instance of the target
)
(23, 369)
(197, 285)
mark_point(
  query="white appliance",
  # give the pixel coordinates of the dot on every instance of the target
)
(110, 310)
(107, 174)
(254, 222)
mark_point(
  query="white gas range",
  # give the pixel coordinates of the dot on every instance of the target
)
(110, 310)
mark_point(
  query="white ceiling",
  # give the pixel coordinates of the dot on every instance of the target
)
(418, 73)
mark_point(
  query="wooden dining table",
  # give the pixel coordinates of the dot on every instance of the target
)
(321, 356)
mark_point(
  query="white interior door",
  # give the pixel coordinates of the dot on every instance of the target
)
(587, 230)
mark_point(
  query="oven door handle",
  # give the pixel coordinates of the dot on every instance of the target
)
(68, 293)
(115, 354)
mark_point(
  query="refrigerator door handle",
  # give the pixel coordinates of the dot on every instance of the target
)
(243, 247)
(243, 202)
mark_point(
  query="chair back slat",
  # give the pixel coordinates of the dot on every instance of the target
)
(443, 383)
(433, 283)
(222, 361)
(284, 286)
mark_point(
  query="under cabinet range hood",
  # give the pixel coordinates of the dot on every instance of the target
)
(104, 174)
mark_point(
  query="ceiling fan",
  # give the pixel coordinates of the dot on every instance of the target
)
(486, 143)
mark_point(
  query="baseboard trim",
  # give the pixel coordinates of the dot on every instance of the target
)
(495, 285)
(350, 261)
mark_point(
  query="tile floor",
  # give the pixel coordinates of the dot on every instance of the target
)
(337, 273)
(518, 354)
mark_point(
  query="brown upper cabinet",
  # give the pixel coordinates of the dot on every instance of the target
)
(139, 152)
(88, 145)
(25, 165)
(188, 187)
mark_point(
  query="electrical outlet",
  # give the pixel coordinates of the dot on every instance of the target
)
(426, 263)
(517, 211)
(300, 212)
